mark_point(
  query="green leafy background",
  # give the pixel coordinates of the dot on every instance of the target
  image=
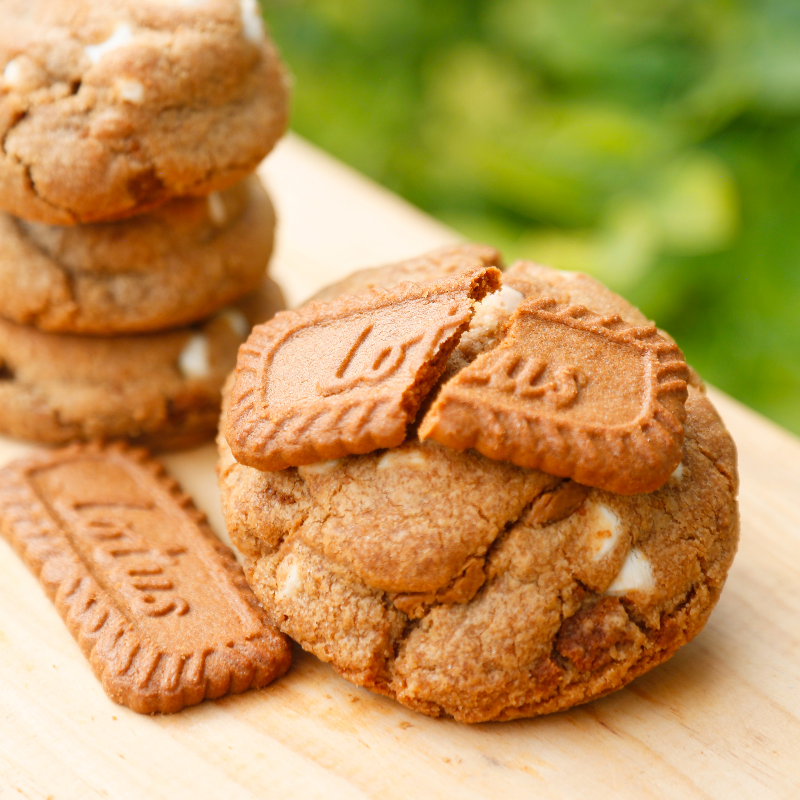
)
(655, 145)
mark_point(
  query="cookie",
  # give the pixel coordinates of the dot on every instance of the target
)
(159, 389)
(157, 603)
(110, 109)
(169, 268)
(449, 260)
(347, 376)
(574, 393)
(471, 587)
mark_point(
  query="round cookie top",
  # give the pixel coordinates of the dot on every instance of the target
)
(159, 389)
(110, 109)
(168, 268)
(468, 586)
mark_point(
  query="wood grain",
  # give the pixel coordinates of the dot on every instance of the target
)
(720, 720)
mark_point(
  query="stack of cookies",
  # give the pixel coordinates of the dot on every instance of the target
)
(133, 237)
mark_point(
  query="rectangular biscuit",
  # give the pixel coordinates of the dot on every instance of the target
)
(348, 376)
(157, 603)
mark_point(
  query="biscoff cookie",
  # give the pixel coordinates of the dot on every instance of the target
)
(166, 269)
(157, 603)
(469, 586)
(110, 109)
(158, 389)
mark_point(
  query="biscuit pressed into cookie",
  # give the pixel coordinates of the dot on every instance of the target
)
(467, 586)
(347, 376)
(160, 389)
(169, 268)
(110, 109)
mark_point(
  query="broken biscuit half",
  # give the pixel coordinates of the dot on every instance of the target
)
(347, 377)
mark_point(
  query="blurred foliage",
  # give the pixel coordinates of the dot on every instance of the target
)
(654, 145)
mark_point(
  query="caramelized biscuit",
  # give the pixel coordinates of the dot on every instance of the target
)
(157, 603)
(573, 393)
(346, 377)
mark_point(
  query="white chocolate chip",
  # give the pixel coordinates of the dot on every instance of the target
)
(23, 74)
(504, 300)
(193, 361)
(252, 25)
(12, 74)
(237, 321)
(409, 459)
(129, 90)
(604, 529)
(216, 209)
(121, 36)
(677, 475)
(636, 575)
(319, 467)
(508, 297)
(490, 314)
(291, 582)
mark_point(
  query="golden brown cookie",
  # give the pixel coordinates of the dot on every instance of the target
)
(159, 389)
(448, 260)
(169, 268)
(577, 394)
(157, 603)
(347, 376)
(110, 109)
(472, 587)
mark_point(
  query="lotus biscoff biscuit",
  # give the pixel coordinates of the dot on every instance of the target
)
(157, 603)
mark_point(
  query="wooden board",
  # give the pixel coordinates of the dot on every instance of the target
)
(719, 720)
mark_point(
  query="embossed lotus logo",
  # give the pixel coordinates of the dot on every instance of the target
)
(348, 376)
(531, 378)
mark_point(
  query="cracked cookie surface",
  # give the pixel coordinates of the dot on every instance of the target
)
(158, 389)
(110, 109)
(477, 589)
(169, 268)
